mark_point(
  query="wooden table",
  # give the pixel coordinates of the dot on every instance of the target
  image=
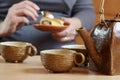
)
(32, 69)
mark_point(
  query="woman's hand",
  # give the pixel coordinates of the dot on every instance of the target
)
(69, 33)
(17, 16)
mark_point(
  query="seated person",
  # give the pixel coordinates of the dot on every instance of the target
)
(17, 18)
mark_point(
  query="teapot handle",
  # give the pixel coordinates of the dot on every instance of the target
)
(101, 12)
(117, 16)
(115, 19)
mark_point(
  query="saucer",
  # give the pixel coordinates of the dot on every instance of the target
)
(50, 28)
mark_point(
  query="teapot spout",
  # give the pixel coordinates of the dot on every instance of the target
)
(90, 46)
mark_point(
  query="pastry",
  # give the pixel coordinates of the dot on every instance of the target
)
(49, 19)
(53, 22)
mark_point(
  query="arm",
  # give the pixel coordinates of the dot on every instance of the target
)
(83, 9)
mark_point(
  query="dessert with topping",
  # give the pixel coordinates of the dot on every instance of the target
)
(49, 19)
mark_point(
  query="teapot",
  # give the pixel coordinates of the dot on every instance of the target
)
(103, 45)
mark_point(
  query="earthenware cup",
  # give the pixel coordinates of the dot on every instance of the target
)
(58, 60)
(15, 51)
(80, 49)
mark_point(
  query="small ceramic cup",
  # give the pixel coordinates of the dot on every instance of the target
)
(81, 49)
(15, 51)
(58, 60)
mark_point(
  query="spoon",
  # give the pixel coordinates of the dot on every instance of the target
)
(46, 14)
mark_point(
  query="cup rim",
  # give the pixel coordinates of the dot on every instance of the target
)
(50, 51)
(14, 43)
(74, 46)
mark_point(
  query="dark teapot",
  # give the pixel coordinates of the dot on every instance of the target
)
(103, 45)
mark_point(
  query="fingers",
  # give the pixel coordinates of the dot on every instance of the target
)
(66, 39)
(26, 8)
(22, 20)
(66, 32)
(64, 36)
(26, 2)
(26, 12)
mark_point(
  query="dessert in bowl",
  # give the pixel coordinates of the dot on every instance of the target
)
(51, 24)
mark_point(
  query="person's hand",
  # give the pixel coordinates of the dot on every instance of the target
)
(69, 33)
(17, 16)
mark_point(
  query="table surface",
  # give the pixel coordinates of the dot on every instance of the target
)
(32, 69)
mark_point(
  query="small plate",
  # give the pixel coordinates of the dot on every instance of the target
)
(50, 28)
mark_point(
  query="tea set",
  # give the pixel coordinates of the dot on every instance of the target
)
(54, 60)
(100, 53)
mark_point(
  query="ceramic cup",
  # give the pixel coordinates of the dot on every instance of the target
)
(13, 51)
(58, 60)
(79, 49)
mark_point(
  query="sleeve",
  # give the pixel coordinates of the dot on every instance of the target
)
(84, 10)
